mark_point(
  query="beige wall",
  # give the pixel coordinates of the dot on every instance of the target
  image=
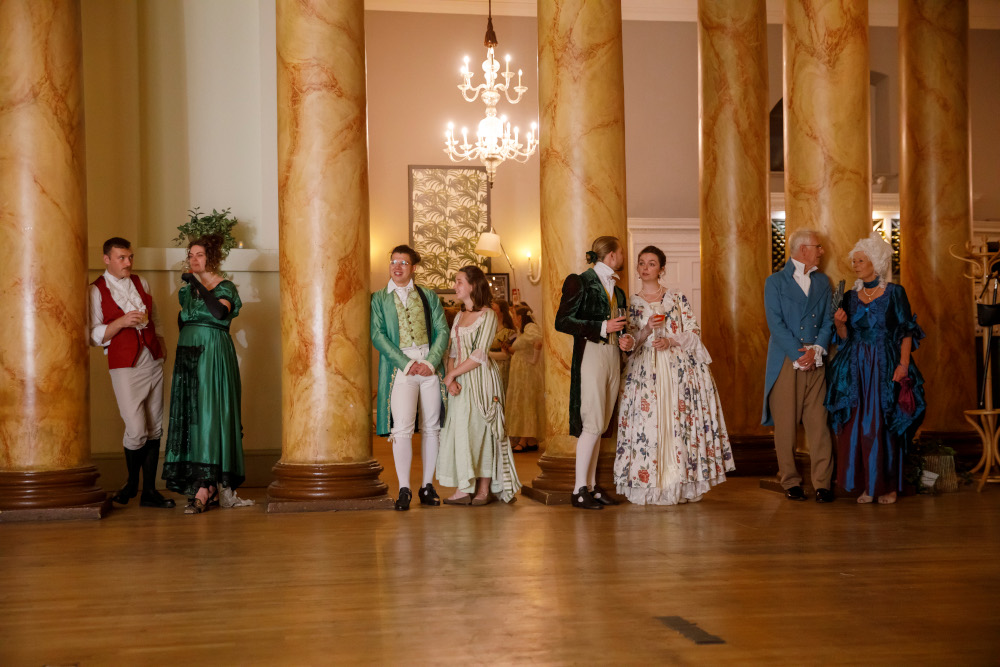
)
(410, 101)
(181, 112)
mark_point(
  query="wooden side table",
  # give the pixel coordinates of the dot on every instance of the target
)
(986, 425)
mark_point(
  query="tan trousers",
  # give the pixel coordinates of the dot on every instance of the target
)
(139, 391)
(798, 396)
(600, 374)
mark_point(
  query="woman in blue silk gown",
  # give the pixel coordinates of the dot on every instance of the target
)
(875, 395)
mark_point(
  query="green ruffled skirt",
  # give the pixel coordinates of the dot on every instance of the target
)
(205, 436)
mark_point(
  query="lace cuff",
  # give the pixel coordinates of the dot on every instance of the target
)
(478, 355)
(818, 353)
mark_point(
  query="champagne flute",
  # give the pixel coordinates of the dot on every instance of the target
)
(658, 317)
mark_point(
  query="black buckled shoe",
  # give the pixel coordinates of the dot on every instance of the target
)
(153, 498)
(795, 493)
(405, 496)
(583, 499)
(429, 496)
(824, 495)
(602, 496)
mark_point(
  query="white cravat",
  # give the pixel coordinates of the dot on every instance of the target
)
(123, 292)
(802, 276)
(403, 292)
(608, 278)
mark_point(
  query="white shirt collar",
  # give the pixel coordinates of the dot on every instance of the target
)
(605, 272)
(393, 286)
(800, 268)
(116, 281)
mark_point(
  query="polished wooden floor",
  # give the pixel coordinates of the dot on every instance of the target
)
(778, 582)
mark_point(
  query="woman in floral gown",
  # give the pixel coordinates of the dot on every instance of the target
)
(474, 454)
(672, 439)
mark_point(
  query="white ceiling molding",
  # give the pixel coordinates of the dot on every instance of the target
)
(983, 14)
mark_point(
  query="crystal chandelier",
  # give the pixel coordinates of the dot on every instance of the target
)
(495, 142)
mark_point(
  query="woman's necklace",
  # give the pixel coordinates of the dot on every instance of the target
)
(873, 284)
(652, 295)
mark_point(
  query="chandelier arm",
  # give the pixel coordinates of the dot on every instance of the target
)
(513, 100)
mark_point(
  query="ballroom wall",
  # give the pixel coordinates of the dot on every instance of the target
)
(180, 112)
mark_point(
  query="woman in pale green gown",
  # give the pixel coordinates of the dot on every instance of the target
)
(474, 454)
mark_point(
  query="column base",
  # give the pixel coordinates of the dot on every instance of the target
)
(52, 495)
(753, 455)
(555, 485)
(327, 487)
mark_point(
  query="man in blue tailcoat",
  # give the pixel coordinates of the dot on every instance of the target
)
(799, 315)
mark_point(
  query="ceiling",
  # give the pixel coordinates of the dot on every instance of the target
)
(983, 14)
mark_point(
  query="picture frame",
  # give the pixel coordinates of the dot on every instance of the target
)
(499, 285)
(449, 209)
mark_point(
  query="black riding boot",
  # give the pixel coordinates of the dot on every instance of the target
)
(133, 463)
(150, 496)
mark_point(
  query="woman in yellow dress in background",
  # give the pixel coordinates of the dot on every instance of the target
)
(525, 392)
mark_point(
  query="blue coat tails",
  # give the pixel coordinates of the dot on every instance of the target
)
(794, 320)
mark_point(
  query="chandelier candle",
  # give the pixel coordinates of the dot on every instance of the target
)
(494, 142)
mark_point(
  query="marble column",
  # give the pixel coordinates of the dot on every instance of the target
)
(582, 153)
(326, 403)
(935, 202)
(45, 468)
(827, 136)
(735, 222)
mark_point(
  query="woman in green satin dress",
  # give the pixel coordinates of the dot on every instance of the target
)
(205, 436)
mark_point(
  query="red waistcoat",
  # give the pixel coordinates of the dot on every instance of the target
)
(127, 344)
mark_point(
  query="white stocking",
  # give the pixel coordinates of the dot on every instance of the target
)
(428, 455)
(402, 455)
(586, 445)
(592, 470)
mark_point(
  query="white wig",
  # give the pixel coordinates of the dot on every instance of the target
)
(879, 253)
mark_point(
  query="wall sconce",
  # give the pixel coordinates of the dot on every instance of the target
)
(534, 270)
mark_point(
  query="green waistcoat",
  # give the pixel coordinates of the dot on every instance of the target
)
(412, 323)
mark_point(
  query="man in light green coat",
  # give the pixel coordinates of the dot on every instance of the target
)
(410, 332)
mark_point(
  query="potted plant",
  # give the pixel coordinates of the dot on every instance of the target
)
(216, 222)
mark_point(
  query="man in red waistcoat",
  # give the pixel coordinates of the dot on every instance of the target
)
(124, 321)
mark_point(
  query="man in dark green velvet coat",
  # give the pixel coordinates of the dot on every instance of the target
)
(589, 311)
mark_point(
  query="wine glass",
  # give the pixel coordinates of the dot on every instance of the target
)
(623, 312)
